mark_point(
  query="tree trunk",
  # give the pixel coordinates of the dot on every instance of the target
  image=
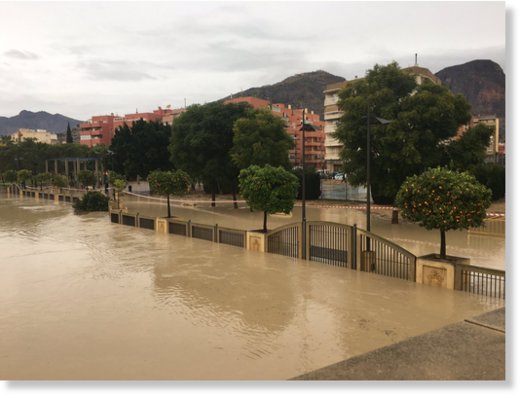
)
(235, 204)
(265, 221)
(169, 210)
(213, 197)
(443, 244)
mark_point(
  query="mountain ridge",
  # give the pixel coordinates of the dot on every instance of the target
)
(56, 123)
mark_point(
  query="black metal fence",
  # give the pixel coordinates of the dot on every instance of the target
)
(233, 237)
(203, 232)
(330, 243)
(146, 223)
(285, 240)
(481, 281)
(378, 255)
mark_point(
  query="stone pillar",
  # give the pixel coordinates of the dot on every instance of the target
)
(55, 166)
(161, 225)
(431, 270)
(256, 241)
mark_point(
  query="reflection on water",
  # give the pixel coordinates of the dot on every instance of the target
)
(82, 298)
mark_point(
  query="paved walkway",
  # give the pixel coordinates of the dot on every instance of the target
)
(473, 349)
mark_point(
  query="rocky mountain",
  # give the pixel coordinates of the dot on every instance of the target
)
(56, 123)
(482, 83)
(305, 89)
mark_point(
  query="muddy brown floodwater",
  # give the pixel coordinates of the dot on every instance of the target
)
(81, 298)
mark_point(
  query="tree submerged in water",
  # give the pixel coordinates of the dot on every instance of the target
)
(92, 201)
(445, 200)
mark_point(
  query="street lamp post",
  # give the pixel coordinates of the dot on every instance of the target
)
(305, 127)
(377, 120)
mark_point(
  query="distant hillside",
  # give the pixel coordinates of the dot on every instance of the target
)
(482, 82)
(305, 89)
(36, 120)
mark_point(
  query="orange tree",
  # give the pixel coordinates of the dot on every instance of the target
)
(169, 182)
(268, 189)
(445, 200)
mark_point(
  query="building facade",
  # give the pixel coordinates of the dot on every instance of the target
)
(37, 135)
(292, 118)
(101, 129)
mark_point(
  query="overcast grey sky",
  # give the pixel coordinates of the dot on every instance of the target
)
(84, 59)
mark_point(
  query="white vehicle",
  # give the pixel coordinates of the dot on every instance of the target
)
(339, 177)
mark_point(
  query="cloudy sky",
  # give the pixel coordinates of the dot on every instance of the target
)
(87, 58)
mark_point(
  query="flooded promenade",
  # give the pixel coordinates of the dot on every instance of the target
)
(82, 298)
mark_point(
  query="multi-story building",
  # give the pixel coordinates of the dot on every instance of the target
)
(332, 113)
(101, 129)
(292, 118)
(37, 135)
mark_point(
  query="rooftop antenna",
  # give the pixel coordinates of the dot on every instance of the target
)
(415, 59)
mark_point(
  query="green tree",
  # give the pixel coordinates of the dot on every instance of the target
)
(68, 134)
(23, 176)
(60, 181)
(260, 139)
(201, 141)
(268, 189)
(169, 183)
(140, 148)
(445, 200)
(92, 201)
(492, 176)
(87, 178)
(43, 178)
(423, 118)
(469, 151)
(119, 186)
(10, 176)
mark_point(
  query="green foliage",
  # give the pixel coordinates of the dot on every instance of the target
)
(260, 139)
(169, 182)
(469, 151)
(59, 180)
(411, 143)
(113, 176)
(492, 176)
(119, 185)
(201, 140)
(31, 155)
(312, 183)
(268, 189)
(68, 134)
(10, 176)
(92, 201)
(140, 148)
(87, 178)
(445, 200)
(43, 178)
(22, 176)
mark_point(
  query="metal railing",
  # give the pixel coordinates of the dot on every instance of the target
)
(384, 257)
(285, 240)
(180, 228)
(203, 232)
(233, 237)
(480, 280)
(146, 222)
(330, 243)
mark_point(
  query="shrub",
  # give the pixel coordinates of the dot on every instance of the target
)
(92, 201)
